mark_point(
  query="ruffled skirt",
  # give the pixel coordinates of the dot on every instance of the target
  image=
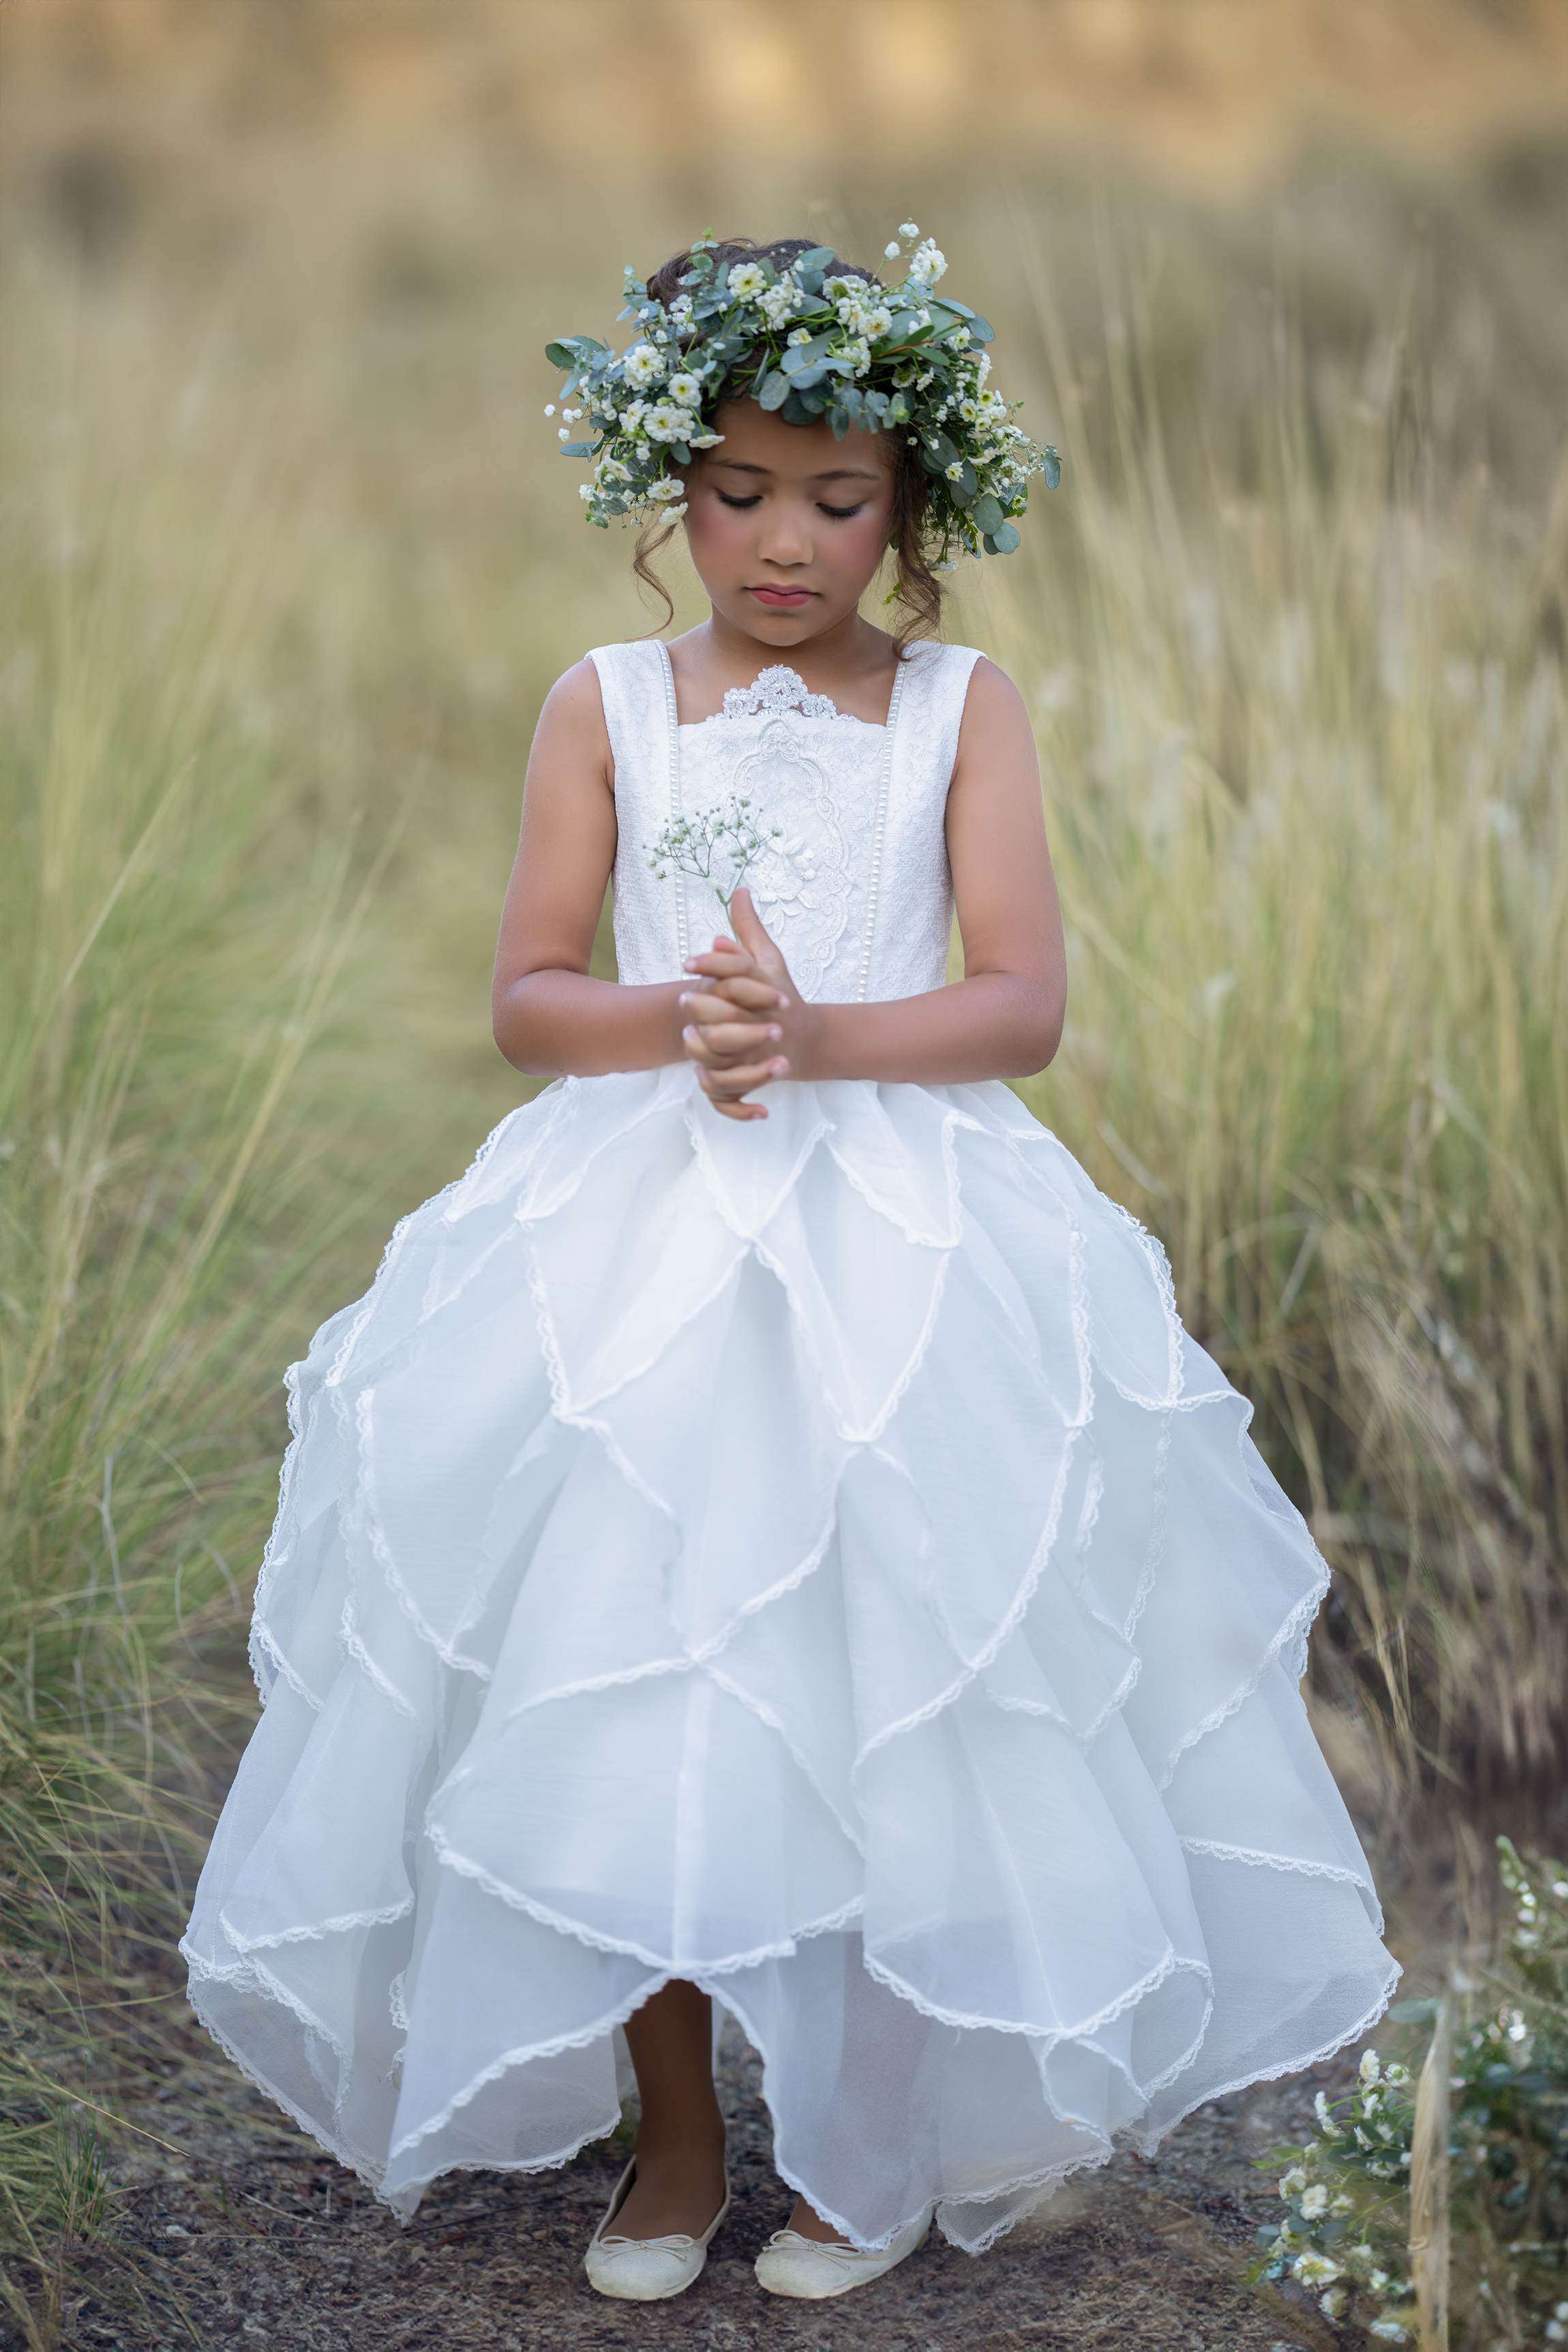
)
(807, 1558)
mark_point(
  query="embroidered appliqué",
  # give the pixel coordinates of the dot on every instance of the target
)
(773, 692)
(801, 886)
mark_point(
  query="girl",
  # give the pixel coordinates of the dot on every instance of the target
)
(766, 1533)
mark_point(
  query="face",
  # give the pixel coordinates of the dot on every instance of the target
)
(786, 526)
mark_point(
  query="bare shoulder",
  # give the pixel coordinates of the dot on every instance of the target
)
(995, 719)
(571, 731)
(574, 700)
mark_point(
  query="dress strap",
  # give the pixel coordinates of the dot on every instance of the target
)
(909, 849)
(637, 686)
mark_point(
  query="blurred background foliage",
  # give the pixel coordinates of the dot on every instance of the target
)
(288, 559)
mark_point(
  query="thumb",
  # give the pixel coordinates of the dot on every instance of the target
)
(749, 929)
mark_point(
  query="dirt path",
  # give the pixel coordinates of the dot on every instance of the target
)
(272, 2247)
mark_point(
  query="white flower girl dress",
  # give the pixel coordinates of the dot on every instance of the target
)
(806, 1557)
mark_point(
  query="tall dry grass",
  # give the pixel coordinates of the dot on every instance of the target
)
(1306, 742)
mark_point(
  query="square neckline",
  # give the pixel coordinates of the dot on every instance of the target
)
(877, 726)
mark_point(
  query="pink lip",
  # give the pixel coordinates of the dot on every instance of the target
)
(783, 596)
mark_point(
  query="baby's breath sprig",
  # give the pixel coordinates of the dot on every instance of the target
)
(806, 341)
(717, 846)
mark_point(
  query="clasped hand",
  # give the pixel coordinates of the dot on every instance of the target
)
(745, 1024)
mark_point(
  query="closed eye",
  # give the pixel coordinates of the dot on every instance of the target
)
(726, 500)
(842, 514)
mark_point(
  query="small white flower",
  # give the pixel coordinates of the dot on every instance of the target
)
(1344, 2204)
(563, 433)
(877, 322)
(610, 470)
(891, 251)
(1320, 2110)
(781, 301)
(906, 228)
(550, 408)
(955, 471)
(1316, 2270)
(747, 281)
(665, 490)
(929, 264)
(587, 491)
(1294, 2181)
(642, 366)
(686, 388)
(1387, 2331)
(1314, 2202)
(1371, 2067)
(797, 335)
(1396, 2076)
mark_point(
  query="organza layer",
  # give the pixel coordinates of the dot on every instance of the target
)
(808, 1558)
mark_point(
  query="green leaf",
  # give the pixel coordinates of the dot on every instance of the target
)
(795, 411)
(560, 356)
(774, 390)
(804, 355)
(987, 512)
(1052, 468)
(1003, 542)
(1412, 2013)
(577, 449)
(981, 329)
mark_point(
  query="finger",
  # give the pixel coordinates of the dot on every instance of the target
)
(728, 1085)
(745, 1045)
(739, 978)
(749, 928)
(709, 1005)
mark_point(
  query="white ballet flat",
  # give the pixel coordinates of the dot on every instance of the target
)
(791, 2265)
(646, 2270)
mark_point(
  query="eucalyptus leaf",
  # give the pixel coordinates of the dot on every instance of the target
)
(980, 329)
(774, 390)
(577, 449)
(804, 355)
(1052, 468)
(987, 512)
(801, 377)
(1004, 541)
(795, 410)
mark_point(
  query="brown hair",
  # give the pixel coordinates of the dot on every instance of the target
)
(917, 584)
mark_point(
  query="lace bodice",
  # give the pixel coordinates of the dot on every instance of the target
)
(852, 876)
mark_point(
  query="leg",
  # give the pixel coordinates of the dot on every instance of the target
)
(679, 2183)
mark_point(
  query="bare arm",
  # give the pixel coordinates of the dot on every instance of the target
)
(1003, 1020)
(551, 1017)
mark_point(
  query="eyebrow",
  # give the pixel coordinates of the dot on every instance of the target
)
(829, 473)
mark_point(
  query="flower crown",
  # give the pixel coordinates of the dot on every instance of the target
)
(808, 340)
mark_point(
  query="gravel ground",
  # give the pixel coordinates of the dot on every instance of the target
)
(264, 2242)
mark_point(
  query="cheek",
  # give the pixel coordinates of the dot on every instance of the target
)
(714, 532)
(861, 543)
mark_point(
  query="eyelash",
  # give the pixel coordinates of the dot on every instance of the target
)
(839, 514)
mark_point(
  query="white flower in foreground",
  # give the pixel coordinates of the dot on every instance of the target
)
(686, 389)
(1316, 2270)
(891, 251)
(665, 490)
(1396, 2076)
(747, 281)
(643, 366)
(550, 408)
(906, 228)
(1314, 2202)
(1294, 2181)
(929, 264)
(797, 335)
(781, 301)
(1370, 2068)
(610, 470)
(1320, 2110)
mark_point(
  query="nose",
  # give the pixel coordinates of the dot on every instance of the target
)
(785, 536)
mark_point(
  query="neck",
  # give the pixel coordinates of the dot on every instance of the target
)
(848, 650)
